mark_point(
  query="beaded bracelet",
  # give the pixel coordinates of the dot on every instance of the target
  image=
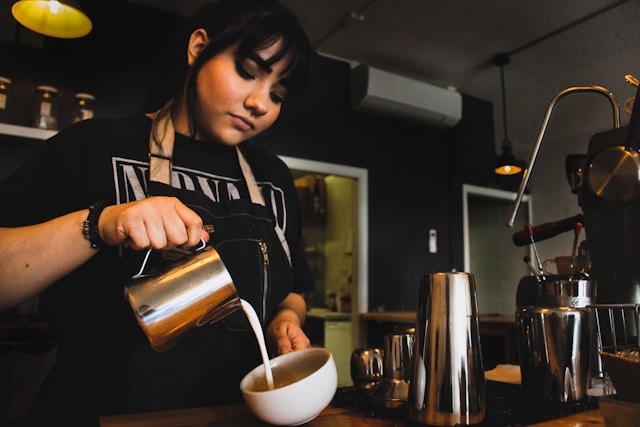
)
(90, 225)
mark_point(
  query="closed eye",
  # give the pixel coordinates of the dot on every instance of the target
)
(243, 72)
(277, 96)
(278, 99)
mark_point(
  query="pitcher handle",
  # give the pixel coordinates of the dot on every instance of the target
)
(140, 272)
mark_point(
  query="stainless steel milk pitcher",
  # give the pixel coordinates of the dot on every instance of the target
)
(448, 385)
(554, 345)
(188, 294)
(393, 389)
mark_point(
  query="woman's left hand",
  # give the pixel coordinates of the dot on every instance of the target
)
(284, 333)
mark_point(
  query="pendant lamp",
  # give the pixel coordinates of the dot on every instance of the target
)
(507, 163)
(62, 19)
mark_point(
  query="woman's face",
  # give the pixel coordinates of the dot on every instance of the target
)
(238, 98)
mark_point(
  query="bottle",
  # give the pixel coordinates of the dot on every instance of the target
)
(344, 302)
(4, 99)
(332, 302)
(45, 108)
(84, 107)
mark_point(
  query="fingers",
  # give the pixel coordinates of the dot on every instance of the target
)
(298, 342)
(287, 337)
(156, 223)
(192, 232)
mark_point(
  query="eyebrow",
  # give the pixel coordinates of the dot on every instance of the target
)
(261, 62)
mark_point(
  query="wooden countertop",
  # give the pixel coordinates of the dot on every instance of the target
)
(591, 418)
(239, 415)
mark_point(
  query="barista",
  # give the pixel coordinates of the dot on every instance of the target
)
(80, 214)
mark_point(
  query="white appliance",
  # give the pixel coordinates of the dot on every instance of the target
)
(337, 339)
(382, 92)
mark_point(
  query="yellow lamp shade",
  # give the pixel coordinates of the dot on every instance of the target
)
(53, 18)
(508, 170)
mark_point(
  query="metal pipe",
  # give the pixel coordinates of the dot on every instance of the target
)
(543, 127)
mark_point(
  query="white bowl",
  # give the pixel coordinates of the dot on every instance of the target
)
(305, 382)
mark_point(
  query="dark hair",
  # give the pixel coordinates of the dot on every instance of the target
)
(255, 25)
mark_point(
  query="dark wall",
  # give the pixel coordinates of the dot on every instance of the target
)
(415, 172)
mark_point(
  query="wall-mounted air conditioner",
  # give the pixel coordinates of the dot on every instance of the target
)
(386, 93)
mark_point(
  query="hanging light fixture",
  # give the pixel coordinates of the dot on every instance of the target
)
(507, 163)
(62, 19)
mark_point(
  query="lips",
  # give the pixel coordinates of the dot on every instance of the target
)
(242, 123)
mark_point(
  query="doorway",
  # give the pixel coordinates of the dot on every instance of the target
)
(334, 200)
(489, 252)
(360, 237)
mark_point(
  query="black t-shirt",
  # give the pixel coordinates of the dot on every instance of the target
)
(105, 364)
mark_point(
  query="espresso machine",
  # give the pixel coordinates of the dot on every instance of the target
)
(611, 214)
(606, 181)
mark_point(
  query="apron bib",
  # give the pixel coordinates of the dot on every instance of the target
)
(242, 231)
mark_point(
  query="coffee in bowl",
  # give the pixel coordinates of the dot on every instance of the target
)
(305, 381)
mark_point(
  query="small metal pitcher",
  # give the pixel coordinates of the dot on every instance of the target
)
(393, 389)
(175, 302)
(367, 366)
(565, 291)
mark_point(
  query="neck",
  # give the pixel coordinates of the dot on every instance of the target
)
(181, 119)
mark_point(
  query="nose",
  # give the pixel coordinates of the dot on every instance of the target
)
(258, 100)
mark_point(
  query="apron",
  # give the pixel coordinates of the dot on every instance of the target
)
(212, 361)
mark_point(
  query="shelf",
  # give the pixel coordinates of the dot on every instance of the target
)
(410, 317)
(26, 132)
(329, 315)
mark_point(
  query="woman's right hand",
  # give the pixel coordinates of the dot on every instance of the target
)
(153, 223)
(29, 263)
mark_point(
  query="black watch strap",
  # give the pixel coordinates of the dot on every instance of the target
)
(90, 225)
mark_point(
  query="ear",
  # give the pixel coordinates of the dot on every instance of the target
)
(197, 42)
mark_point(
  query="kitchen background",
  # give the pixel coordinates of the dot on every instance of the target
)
(415, 171)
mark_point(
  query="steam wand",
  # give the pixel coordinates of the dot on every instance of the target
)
(529, 229)
(576, 230)
(543, 127)
(527, 260)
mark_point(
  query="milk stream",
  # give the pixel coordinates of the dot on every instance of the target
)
(257, 330)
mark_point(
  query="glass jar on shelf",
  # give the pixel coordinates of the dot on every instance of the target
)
(46, 108)
(4, 99)
(84, 106)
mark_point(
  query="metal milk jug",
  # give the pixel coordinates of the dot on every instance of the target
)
(554, 349)
(448, 385)
(190, 293)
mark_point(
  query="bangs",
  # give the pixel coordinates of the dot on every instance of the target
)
(294, 49)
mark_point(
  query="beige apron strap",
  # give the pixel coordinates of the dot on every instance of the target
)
(161, 151)
(256, 197)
